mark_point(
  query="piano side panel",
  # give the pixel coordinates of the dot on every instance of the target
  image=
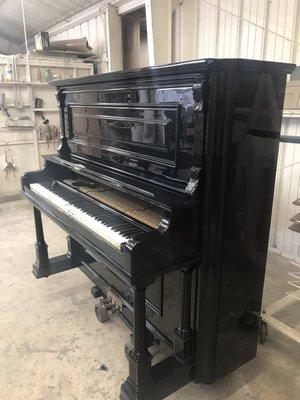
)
(241, 168)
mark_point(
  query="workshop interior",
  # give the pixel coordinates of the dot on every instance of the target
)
(150, 199)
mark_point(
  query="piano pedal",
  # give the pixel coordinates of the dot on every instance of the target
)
(96, 292)
(107, 305)
(104, 309)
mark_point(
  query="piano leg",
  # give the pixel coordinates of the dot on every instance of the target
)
(43, 266)
(75, 251)
(139, 382)
(146, 382)
(41, 249)
(184, 335)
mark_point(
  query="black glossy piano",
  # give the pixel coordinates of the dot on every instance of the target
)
(163, 182)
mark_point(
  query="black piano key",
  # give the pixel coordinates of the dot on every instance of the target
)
(131, 231)
(121, 226)
(108, 220)
(110, 224)
(118, 226)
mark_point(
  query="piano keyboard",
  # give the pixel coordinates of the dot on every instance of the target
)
(126, 204)
(107, 225)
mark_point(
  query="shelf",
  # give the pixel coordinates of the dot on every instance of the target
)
(5, 84)
(34, 84)
(45, 109)
(51, 53)
(14, 106)
(30, 127)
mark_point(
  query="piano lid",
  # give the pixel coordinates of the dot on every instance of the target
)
(186, 67)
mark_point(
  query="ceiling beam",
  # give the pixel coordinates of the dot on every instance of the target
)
(10, 39)
(130, 6)
(76, 19)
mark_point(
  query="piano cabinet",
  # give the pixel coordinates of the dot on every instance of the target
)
(163, 182)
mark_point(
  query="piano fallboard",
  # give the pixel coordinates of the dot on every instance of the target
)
(162, 195)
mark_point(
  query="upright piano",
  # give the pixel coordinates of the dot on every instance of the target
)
(163, 182)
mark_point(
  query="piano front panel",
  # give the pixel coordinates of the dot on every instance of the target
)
(126, 128)
(144, 130)
(162, 299)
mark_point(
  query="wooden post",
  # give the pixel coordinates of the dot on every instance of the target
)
(183, 334)
(139, 380)
(184, 326)
(75, 251)
(41, 249)
(63, 149)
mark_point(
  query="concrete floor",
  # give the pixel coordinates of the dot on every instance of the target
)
(51, 344)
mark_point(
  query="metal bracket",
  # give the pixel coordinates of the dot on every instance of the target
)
(194, 180)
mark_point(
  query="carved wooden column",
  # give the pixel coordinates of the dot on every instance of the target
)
(41, 249)
(139, 380)
(75, 251)
(63, 149)
(184, 335)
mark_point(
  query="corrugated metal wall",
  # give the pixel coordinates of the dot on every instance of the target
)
(94, 30)
(287, 190)
(260, 29)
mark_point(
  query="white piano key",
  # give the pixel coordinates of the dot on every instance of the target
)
(97, 227)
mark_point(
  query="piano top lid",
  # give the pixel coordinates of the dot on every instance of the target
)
(194, 66)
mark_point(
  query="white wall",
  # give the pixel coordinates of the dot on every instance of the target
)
(93, 29)
(97, 21)
(260, 29)
(287, 190)
(90, 24)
